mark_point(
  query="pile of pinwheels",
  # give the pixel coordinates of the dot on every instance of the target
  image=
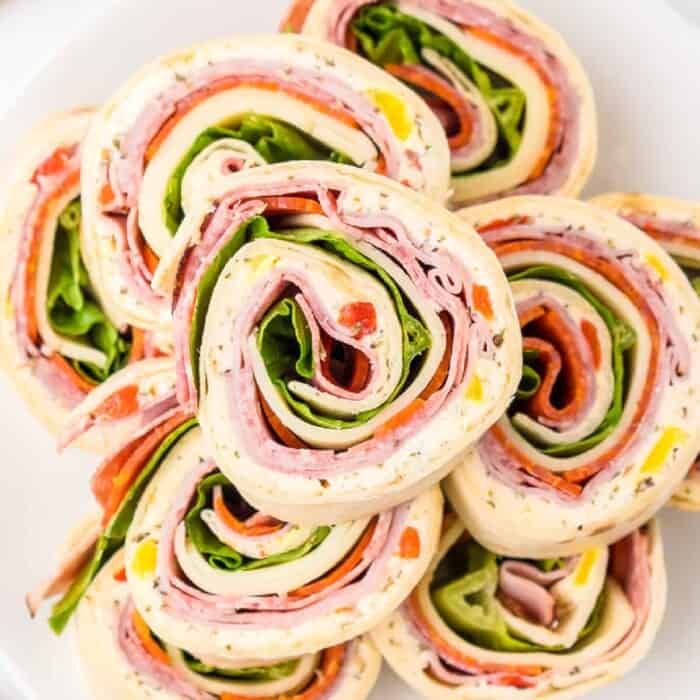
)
(293, 289)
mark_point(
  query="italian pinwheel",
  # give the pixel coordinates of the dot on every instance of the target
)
(675, 224)
(234, 104)
(124, 660)
(57, 342)
(342, 338)
(480, 625)
(513, 100)
(215, 577)
(602, 429)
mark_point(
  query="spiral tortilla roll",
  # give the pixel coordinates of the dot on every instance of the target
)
(212, 575)
(350, 337)
(234, 104)
(56, 341)
(483, 626)
(122, 660)
(675, 224)
(602, 429)
(145, 409)
(515, 102)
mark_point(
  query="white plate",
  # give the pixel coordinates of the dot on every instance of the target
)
(643, 59)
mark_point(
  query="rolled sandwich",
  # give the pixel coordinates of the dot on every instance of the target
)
(234, 104)
(343, 338)
(513, 99)
(212, 575)
(57, 343)
(484, 626)
(675, 224)
(123, 660)
(602, 430)
(117, 485)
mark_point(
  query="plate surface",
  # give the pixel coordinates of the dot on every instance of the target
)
(643, 59)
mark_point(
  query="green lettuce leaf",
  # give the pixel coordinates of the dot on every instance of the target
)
(387, 35)
(623, 339)
(464, 594)
(530, 380)
(72, 308)
(284, 341)
(254, 674)
(112, 539)
(222, 557)
(274, 140)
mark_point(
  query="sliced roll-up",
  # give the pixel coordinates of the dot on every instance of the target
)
(602, 429)
(343, 338)
(117, 485)
(514, 101)
(234, 104)
(675, 224)
(122, 659)
(57, 342)
(480, 625)
(212, 575)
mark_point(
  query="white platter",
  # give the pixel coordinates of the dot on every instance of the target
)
(644, 61)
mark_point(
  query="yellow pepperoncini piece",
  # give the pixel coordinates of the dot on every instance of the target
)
(475, 390)
(395, 110)
(585, 566)
(145, 557)
(669, 439)
(658, 266)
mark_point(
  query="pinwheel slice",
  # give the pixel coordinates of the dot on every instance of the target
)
(117, 485)
(57, 342)
(675, 224)
(342, 337)
(513, 99)
(484, 626)
(234, 104)
(211, 575)
(124, 660)
(602, 429)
